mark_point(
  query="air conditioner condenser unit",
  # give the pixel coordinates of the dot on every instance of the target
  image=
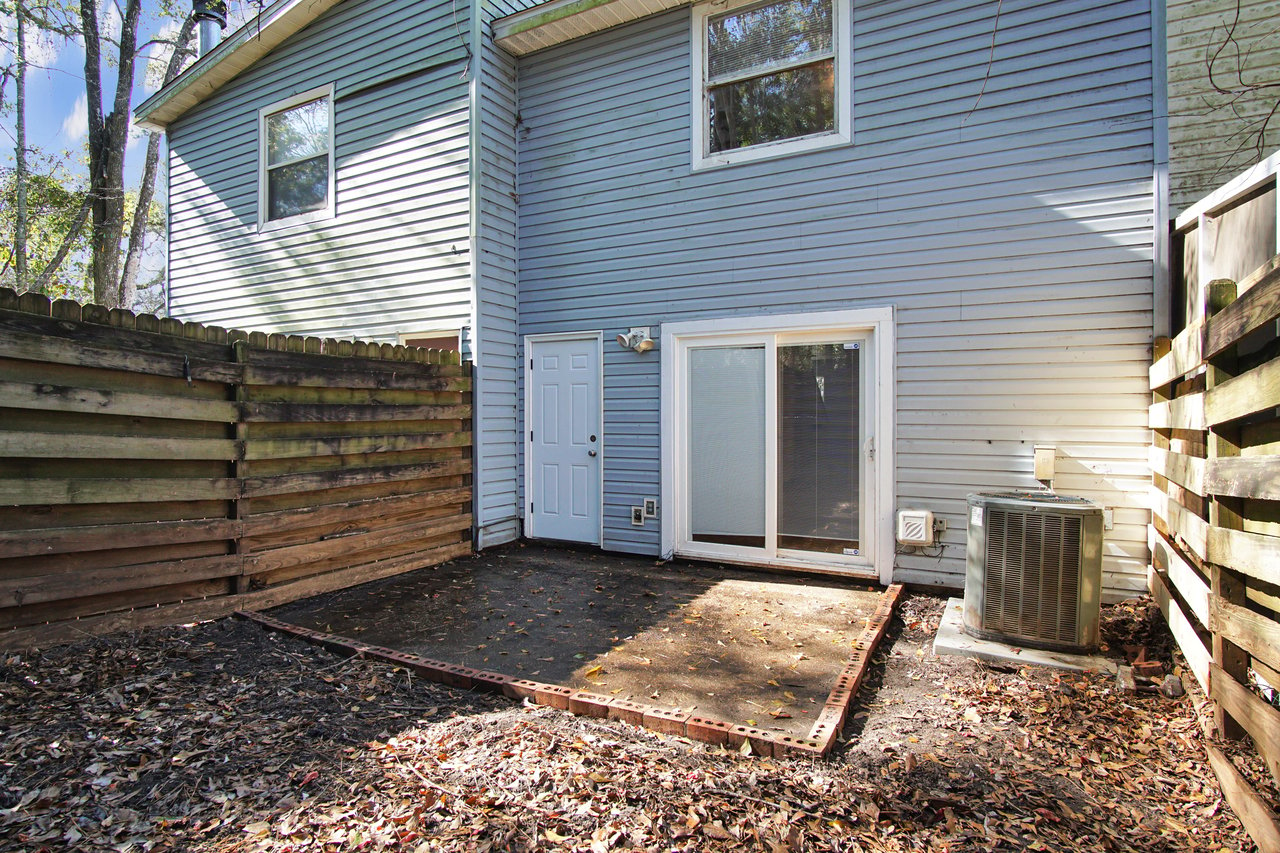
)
(1034, 570)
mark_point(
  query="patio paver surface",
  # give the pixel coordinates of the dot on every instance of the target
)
(749, 647)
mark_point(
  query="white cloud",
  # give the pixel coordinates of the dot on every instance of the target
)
(158, 61)
(75, 127)
(42, 48)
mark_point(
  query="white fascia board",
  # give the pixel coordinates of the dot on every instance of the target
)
(559, 21)
(231, 56)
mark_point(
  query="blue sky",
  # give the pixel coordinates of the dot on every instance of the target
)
(57, 115)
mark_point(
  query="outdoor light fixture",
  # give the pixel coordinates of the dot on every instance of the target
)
(637, 339)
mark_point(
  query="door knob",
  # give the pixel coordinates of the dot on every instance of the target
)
(591, 453)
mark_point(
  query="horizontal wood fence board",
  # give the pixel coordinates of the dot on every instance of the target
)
(291, 412)
(1258, 390)
(123, 490)
(269, 542)
(1187, 527)
(1258, 718)
(340, 562)
(1258, 305)
(41, 348)
(141, 343)
(15, 592)
(1181, 575)
(1186, 471)
(61, 398)
(94, 605)
(288, 364)
(1244, 477)
(1258, 819)
(1254, 633)
(351, 542)
(339, 478)
(1193, 650)
(319, 376)
(1184, 356)
(255, 394)
(290, 448)
(105, 537)
(315, 515)
(83, 446)
(1183, 413)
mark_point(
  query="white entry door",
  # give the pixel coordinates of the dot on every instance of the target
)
(563, 414)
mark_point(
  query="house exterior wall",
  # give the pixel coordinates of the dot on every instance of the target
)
(1004, 209)
(497, 367)
(396, 255)
(1215, 135)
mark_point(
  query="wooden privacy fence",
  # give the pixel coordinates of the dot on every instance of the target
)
(1215, 459)
(156, 472)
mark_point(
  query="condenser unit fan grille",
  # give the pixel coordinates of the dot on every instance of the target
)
(1032, 581)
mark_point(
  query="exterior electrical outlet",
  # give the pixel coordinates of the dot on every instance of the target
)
(637, 516)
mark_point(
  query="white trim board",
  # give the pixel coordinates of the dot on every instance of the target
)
(878, 323)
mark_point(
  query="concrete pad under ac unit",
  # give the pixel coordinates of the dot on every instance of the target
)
(952, 640)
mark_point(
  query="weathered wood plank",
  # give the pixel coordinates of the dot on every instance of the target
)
(351, 543)
(1183, 357)
(1255, 391)
(1186, 471)
(340, 478)
(1181, 413)
(303, 364)
(105, 537)
(123, 349)
(1183, 525)
(1258, 718)
(1255, 477)
(114, 602)
(439, 378)
(1258, 305)
(1256, 634)
(85, 491)
(18, 592)
(286, 448)
(318, 514)
(1258, 819)
(85, 446)
(62, 398)
(1189, 583)
(1197, 656)
(291, 412)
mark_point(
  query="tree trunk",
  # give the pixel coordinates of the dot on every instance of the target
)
(20, 154)
(108, 138)
(146, 192)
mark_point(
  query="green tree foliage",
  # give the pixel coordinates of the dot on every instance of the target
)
(55, 206)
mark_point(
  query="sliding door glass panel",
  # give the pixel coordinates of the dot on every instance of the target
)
(727, 445)
(818, 447)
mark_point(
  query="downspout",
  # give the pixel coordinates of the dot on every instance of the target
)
(473, 197)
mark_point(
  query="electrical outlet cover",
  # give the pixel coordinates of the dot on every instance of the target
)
(637, 516)
(650, 507)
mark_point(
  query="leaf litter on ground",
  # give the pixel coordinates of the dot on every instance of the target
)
(221, 737)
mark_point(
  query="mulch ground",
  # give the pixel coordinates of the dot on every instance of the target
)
(222, 737)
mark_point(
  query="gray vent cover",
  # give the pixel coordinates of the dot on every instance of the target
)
(1034, 573)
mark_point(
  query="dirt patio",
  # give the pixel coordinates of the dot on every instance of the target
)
(747, 647)
(224, 737)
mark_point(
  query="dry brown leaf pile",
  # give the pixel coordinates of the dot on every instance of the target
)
(221, 737)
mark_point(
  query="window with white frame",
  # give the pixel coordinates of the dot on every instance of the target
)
(295, 172)
(769, 78)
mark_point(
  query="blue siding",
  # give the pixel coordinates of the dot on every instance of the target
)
(396, 256)
(1013, 231)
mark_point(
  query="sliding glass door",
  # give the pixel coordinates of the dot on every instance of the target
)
(774, 437)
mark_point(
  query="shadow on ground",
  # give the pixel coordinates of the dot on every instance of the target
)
(743, 646)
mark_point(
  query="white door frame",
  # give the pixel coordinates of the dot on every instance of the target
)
(598, 337)
(878, 324)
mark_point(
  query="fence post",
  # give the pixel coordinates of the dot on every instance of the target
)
(240, 354)
(1223, 440)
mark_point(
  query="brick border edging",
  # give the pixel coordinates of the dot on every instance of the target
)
(821, 739)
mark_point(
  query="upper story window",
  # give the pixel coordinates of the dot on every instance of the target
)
(769, 78)
(295, 172)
